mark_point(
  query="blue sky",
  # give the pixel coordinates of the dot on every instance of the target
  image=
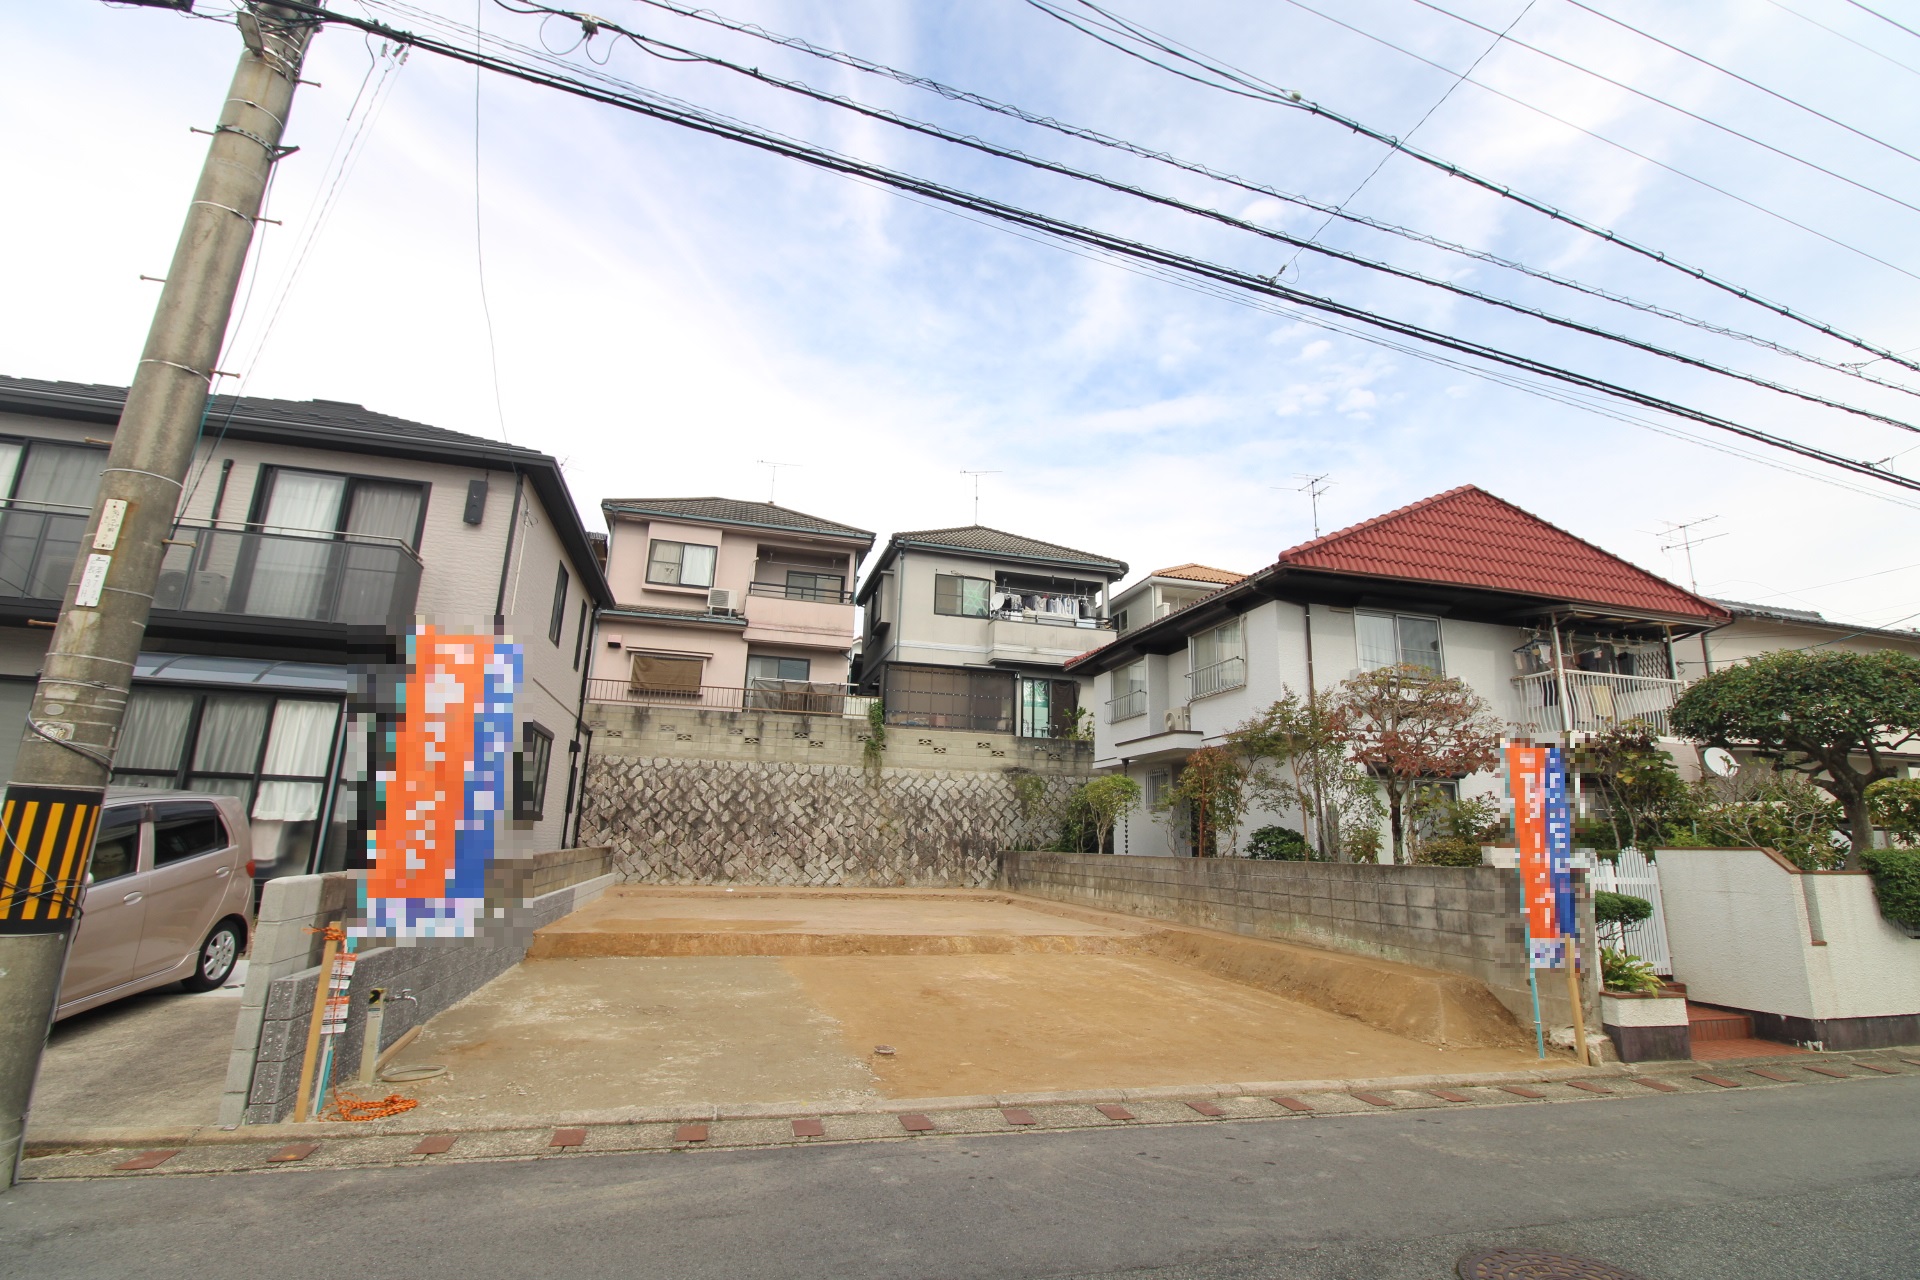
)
(668, 310)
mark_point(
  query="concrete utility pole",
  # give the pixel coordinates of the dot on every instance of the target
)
(52, 803)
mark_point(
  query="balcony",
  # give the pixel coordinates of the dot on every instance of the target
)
(1229, 673)
(37, 549)
(1048, 608)
(1599, 701)
(247, 573)
(791, 697)
(1127, 706)
(787, 591)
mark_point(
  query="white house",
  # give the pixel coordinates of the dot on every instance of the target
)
(1556, 634)
(1165, 590)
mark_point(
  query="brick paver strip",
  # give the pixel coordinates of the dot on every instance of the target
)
(1661, 1085)
(690, 1133)
(298, 1151)
(1374, 1099)
(1722, 1081)
(435, 1145)
(915, 1123)
(1589, 1086)
(1912, 1062)
(1520, 1090)
(809, 1129)
(1885, 1071)
(568, 1138)
(1766, 1074)
(147, 1160)
(1294, 1104)
(1448, 1095)
(1113, 1112)
(1829, 1071)
(1206, 1108)
(1018, 1115)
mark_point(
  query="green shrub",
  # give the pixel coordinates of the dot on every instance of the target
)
(1449, 851)
(1620, 908)
(1896, 882)
(1278, 844)
(1363, 844)
(1895, 805)
(1622, 972)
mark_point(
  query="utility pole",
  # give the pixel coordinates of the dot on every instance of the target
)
(52, 802)
(1681, 536)
(976, 490)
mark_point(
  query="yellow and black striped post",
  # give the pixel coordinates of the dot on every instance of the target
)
(46, 839)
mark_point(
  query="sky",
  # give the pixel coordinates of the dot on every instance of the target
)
(668, 312)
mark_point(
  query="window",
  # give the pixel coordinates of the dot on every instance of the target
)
(950, 698)
(665, 672)
(301, 570)
(815, 586)
(530, 777)
(185, 829)
(1120, 620)
(559, 618)
(1385, 639)
(961, 597)
(784, 669)
(1219, 660)
(116, 850)
(1129, 685)
(680, 564)
(1049, 708)
(580, 634)
(49, 490)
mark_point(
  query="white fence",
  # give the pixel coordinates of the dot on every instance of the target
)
(1633, 874)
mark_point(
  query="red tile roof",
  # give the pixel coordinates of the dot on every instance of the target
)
(1199, 573)
(1466, 537)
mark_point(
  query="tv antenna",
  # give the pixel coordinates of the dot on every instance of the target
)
(976, 489)
(773, 475)
(1681, 536)
(1313, 488)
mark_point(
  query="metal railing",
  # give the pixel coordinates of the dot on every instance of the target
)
(37, 549)
(1049, 608)
(1229, 673)
(792, 697)
(1127, 706)
(315, 578)
(1600, 701)
(783, 591)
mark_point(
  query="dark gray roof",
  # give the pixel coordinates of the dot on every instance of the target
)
(753, 515)
(333, 424)
(977, 537)
(1807, 617)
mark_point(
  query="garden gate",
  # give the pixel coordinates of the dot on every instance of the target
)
(1632, 873)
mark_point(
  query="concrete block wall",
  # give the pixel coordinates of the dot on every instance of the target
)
(270, 1036)
(1463, 920)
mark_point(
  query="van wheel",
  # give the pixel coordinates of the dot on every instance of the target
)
(217, 957)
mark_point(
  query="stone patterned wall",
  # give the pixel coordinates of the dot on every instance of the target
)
(673, 820)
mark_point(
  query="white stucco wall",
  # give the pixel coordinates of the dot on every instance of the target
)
(1742, 935)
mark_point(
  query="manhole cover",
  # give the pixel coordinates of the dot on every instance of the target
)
(1536, 1264)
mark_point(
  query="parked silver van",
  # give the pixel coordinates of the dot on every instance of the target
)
(169, 897)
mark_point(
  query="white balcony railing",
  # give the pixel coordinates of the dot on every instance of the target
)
(1229, 673)
(1127, 706)
(1599, 701)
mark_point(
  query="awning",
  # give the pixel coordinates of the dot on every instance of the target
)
(254, 673)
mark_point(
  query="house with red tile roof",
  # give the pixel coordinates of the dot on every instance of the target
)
(1558, 635)
(1164, 591)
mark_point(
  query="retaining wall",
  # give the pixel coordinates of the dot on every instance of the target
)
(1462, 920)
(270, 1036)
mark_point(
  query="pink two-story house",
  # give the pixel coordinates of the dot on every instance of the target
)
(725, 603)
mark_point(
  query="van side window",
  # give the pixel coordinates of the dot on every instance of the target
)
(116, 849)
(185, 829)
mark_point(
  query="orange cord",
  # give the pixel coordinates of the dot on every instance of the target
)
(356, 1109)
(331, 932)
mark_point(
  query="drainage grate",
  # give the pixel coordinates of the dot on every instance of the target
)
(1536, 1264)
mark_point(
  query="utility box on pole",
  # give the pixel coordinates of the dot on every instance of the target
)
(52, 803)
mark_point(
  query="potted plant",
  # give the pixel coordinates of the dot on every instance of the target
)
(1642, 1018)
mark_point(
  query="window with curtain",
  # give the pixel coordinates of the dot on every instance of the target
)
(958, 596)
(333, 533)
(49, 487)
(293, 771)
(1219, 660)
(1387, 639)
(665, 672)
(680, 564)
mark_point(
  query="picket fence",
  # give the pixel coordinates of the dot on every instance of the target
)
(1633, 873)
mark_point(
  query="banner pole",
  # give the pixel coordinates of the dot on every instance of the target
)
(1573, 993)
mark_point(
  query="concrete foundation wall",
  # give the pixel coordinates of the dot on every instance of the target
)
(689, 796)
(1462, 920)
(270, 1036)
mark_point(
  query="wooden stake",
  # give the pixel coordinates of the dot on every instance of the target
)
(1573, 994)
(303, 1105)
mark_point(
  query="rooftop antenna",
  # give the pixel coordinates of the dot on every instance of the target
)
(773, 475)
(976, 489)
(1682, 536)
(1313, 488)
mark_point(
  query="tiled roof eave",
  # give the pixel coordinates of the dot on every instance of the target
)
(845, 533)
(979, 553)
(1546, 605)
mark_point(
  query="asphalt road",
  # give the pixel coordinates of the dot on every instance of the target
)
(1815, 1181)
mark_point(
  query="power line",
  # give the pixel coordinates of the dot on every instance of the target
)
(1754, 84)
(1263, 92)
(1843, 36)
(659, 107)
(1119, 144)
(680, 53)
(1883, 17)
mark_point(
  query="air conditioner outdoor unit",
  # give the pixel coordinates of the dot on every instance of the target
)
(720, 600)
(1179, 720)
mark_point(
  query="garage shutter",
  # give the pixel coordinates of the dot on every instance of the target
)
(659, 673)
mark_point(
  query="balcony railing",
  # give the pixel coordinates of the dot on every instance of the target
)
(1049, 608)
(37, 548)
(1229, 673)
(1127, 706)
(253, 574)
(792, 697)
(784, 591)
(1600, 701)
